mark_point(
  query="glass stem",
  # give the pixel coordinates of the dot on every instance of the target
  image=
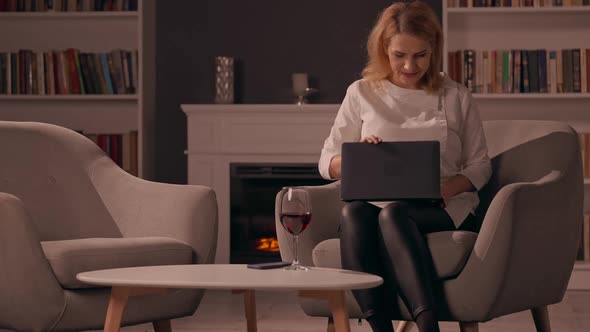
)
(295, 255)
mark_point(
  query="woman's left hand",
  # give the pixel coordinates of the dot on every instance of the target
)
(454, 186)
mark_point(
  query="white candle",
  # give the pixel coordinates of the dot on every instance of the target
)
(299, 83)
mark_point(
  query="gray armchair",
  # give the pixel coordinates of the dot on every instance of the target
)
(65, 208)
(522, 259)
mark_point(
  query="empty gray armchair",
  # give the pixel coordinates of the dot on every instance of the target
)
(531, 217)
(65, 208)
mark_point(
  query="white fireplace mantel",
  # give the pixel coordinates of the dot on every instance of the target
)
(222, 134)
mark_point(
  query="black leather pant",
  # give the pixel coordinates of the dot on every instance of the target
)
(390, 242)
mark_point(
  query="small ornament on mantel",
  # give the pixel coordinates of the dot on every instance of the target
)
(224, 80)
(301, 88)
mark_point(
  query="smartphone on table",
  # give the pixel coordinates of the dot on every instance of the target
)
(267, 266)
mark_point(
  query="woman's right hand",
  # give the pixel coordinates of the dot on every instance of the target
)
(372, 139)
(335, 168)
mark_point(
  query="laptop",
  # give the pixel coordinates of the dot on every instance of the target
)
(390, 171)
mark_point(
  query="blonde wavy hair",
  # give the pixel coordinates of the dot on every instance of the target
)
(412, 17)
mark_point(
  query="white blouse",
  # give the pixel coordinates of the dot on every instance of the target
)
(397, 114)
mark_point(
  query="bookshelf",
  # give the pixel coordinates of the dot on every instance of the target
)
(530, 28)
(89, 32)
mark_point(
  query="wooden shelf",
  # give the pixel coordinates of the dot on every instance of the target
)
(521, 10)
(88, 97)
(66, 15)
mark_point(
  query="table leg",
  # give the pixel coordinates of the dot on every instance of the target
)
(250, 310)
(337, 301)
(118, 301)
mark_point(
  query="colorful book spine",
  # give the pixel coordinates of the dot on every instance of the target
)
(542, 63)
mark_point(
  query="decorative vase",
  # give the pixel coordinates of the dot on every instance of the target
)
(224, 80)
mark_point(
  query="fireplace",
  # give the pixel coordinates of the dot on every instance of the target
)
(253, 187)
(220, 135)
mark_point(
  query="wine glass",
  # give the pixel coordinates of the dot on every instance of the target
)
(295, 218)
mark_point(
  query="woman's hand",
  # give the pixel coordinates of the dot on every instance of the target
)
(335, 169)
(454, 186)
(372, 139)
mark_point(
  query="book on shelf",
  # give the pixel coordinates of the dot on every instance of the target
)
(585, 153)
(576, 80)
(469, 68)
(584, 246)
(517, 72)
(521, 71)
(542, 69)
(559, 68)
(584, 70)
(68, 71)
(552, 79)
(507, 71)
(533, 69)
(568, 67)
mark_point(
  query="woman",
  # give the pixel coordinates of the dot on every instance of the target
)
(402, 96)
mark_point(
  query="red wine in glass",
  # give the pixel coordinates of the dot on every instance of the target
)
(295, 223)
(295, 217)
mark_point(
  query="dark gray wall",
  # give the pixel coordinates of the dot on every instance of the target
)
(270, 39)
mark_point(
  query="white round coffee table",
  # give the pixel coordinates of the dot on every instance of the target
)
(328, 284)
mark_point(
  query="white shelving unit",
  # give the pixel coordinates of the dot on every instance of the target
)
(89, 32)
(526, 28)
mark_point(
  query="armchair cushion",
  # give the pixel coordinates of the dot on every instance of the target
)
(70, 257)
(449, 250)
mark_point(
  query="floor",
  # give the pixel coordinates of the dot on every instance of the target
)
(221, 311)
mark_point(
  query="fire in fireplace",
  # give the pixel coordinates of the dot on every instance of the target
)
(253, 188)
(269, 244)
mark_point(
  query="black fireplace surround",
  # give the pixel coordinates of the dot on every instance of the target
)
(253, 187)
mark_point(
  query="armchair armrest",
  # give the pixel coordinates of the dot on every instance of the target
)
(32, 299)
(144, 208)
(326, 207)
(525, 252)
